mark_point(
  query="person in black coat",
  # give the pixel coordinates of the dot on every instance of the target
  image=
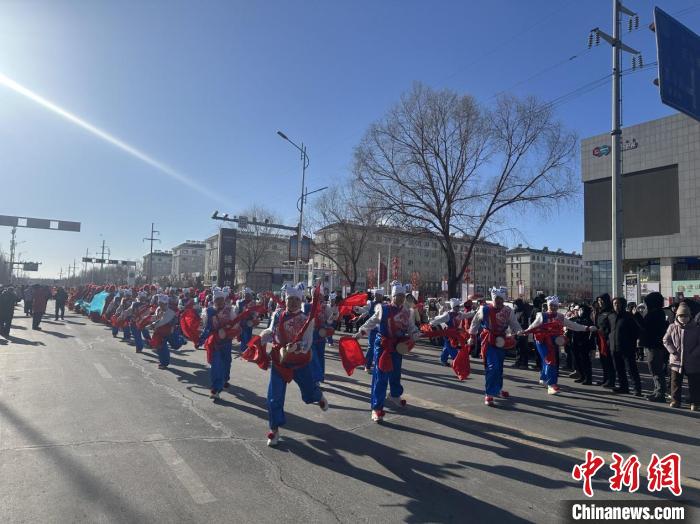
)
(624, 332)
(602, 322)
(8, 300)
(522, 315)
(582, 343)
(653, 327)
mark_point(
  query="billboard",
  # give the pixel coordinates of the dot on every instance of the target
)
(226, 273)
(642, 191)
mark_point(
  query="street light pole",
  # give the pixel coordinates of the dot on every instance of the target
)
(304, 165)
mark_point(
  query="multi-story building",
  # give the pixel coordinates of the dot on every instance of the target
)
(530, 271)
(188, 259)
(211, 260)
(414, 257)
(162, 264)
(254, 254)
(660, 188)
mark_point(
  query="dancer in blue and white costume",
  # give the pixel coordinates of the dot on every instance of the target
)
(451, 319)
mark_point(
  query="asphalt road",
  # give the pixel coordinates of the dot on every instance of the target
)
(91, 431)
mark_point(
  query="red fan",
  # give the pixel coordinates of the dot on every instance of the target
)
(190, 324)
(350, 354)
(461, 365)
(345, 306)
(256, 353)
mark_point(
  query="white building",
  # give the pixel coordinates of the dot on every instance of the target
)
(530, 271)
(188, 259)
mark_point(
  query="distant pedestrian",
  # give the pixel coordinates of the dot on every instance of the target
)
(8, 299)
(522, 348)
(27, 298)
(40, 296)
(682, 340)
(61, 297)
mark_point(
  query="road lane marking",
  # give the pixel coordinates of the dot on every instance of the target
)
(102, 370)
(188, 478)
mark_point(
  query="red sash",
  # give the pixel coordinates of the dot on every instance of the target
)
(603, 344)
(545, 334)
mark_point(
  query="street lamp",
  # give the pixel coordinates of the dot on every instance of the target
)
(304, 165)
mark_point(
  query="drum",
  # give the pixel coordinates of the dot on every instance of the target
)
(500, 342)
(404, 348)
(560, 341)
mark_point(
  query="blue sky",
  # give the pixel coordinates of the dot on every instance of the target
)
(203, 87)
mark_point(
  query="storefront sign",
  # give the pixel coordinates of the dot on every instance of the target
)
(626, 145)
(688, 288)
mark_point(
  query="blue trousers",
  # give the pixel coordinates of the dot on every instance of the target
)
(318, 360)
(138, 338)
(115, 331)
(246, 335)
(145, 334)
(220, 371)
(176, 340)
(447, 351)
(381, 379)
(369, 357)
(164, 353)
(549, 372)
(310, 392)
(494, 370)
(127, 332)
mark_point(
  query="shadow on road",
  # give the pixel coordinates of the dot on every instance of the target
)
(91, 487)
(25, 342)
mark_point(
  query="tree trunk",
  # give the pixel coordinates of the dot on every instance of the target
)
(452, 277)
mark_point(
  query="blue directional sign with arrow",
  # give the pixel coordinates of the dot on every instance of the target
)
(678, 51)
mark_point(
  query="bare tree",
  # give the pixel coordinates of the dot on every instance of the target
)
(342, 221)
(256, 242)
(440, 163)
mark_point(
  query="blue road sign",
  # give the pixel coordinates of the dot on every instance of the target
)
(678, 52)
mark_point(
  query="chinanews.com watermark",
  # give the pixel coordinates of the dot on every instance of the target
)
(662, 476)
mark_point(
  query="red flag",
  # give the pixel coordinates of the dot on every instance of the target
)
(350, 354)
(461, 365)
(190, 324)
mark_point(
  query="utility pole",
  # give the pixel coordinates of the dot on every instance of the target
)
(103, 249)
(13, 244)
(152, 238)
(87, 255)
(615, 41)
(103, 255)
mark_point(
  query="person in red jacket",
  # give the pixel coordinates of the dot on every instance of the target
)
(40, 296)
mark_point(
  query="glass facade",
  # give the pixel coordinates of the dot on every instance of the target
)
(648, 270)
(687, 268)
(601, 277)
